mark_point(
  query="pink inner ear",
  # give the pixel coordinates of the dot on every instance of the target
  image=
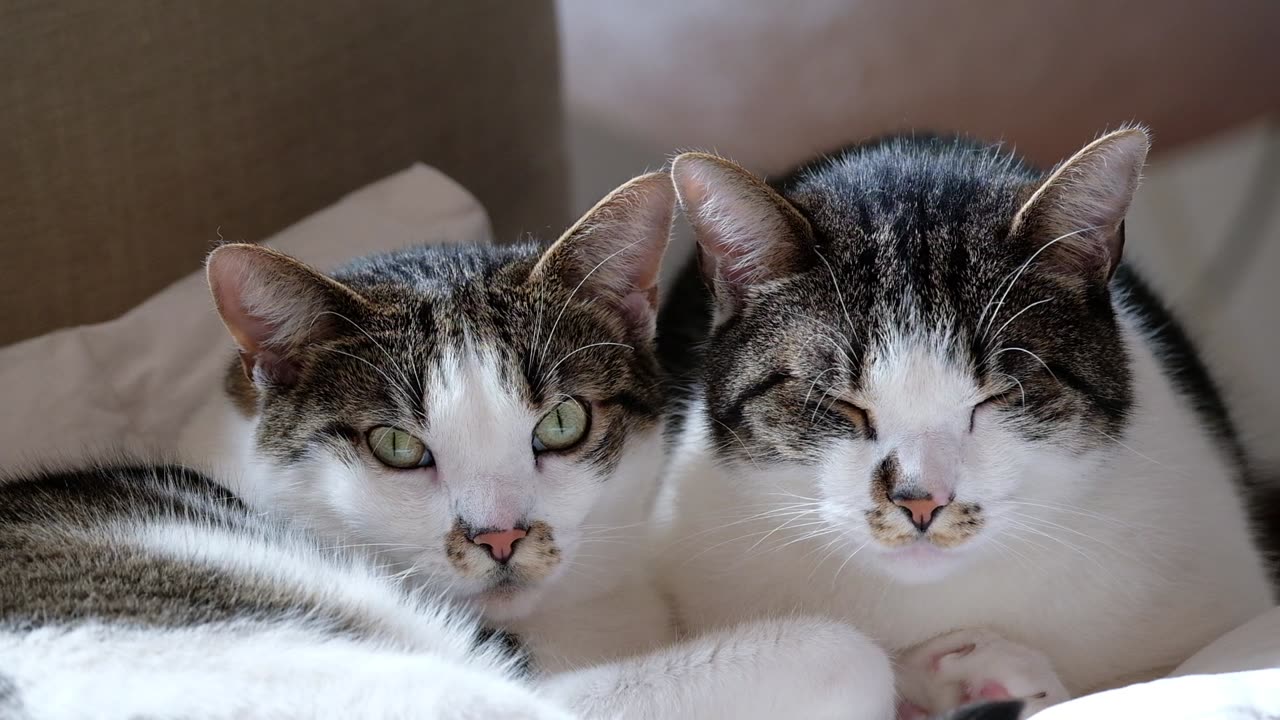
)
(250, 332)
(728, 264)
(640, 310)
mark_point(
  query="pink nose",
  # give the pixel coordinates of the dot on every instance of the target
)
(922, 511)
(501, 543)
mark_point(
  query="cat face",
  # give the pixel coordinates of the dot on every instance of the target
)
(916, 337)
(461, 412)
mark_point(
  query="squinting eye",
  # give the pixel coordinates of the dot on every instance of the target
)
(998, 400)
(398, 449)
(1009, 397)
(561, 428)
(859, 416)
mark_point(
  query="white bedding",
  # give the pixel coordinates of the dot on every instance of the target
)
(131, 382)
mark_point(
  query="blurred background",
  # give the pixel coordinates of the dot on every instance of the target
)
(135, 134)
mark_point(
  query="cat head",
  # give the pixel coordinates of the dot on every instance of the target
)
(460, 411)
(904, 331)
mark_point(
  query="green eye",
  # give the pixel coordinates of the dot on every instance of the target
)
(561, 428)
(398, 449)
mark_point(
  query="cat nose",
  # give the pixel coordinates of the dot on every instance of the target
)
(501, 543)
(922, 509)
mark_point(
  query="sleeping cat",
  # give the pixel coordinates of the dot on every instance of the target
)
(485, 423)
(934, 403)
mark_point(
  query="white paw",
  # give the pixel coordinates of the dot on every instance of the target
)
(973, 666)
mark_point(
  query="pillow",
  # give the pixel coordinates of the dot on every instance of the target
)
(132, 382)
(1237, 677)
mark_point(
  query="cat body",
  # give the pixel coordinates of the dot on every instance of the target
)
(153, 592)
(932, 399)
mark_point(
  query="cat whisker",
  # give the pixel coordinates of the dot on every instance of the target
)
(1076, 511)
(827, 552)
(813, 418)
(405, 385)
(783, 526)
(785, 493)
(739, 538)
(836, 578)
(390, 382)
(744, 445)
(1070, 546)
(813, 384)
(1021, 389)
(753, 518)
(585, 347)
(1028, 352)
(835, 284)
(826, 530)
(1016, 315)
(574, 293)
(1027, 264)
(1148, 458)
(1017, 555)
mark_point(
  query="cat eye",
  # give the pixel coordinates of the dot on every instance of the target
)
(562, 427)
(999, 400)
(396, 448)
(859, 417)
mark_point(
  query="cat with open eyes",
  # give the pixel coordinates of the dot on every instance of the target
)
(934, 403)
(434, 428)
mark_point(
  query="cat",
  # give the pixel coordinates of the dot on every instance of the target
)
(486, 424)
(931, 401)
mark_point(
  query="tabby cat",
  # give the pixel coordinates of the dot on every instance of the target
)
(935, 404)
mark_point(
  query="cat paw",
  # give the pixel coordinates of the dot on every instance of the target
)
(974, 666)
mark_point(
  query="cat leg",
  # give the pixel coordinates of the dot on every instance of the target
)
(975, 666)
(782, 668)
(109, 673)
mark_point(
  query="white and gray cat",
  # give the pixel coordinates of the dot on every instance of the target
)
(934, 404)
(429, 428)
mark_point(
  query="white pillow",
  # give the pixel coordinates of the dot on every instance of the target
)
(134, 381)
(1236, 678)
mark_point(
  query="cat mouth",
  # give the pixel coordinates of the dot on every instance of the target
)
(507, 585)
(917, 549)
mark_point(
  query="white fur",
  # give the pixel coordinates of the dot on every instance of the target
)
(107, 672)
(423, 663)
(1122, 561)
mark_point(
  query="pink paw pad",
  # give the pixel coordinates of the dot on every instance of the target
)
(911, 711)
(990, 690)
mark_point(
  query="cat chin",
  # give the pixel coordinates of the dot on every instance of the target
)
(508, 605)
(919, 563)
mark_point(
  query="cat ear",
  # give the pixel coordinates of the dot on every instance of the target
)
(273, 305)
(615, 250)
(747, 233)
(1076, 216)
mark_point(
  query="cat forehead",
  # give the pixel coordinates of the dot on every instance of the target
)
(912, 183)
(910, 235)
(914, 378)
(445, 296)
(903, 203)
